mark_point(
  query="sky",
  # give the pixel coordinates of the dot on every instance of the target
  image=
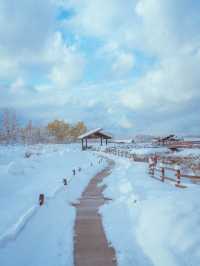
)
(128, 66)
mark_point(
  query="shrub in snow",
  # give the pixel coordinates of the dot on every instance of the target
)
(28, 154)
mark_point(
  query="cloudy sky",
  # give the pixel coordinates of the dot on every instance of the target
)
(129, 66)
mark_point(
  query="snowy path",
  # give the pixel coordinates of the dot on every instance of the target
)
(91, 246)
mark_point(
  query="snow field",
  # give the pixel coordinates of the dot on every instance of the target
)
(148, 222)
(32, 235)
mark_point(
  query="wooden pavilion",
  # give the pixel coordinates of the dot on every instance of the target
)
(94, 134)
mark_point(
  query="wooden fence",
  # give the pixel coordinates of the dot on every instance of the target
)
(125, 154)
(157, 172)
(161, 173)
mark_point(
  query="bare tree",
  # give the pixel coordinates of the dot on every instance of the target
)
(14, 127)
(6, 125)
(29, 133)
(57, 131)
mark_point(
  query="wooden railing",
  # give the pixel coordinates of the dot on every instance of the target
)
(160, 173)
(155, 171)
(125, 154)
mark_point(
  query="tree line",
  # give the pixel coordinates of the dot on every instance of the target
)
(57, 131)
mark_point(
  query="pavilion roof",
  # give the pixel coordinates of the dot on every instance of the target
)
(97, 132)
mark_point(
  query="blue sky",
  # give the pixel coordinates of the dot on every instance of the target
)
(128, 66)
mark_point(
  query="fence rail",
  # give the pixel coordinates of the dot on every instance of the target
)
(155, 171)
(177, 178)
(125, 154)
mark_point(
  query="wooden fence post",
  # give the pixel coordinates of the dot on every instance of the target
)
(163, 174)
(178, 175)
(151, 166)
(41, 199)
(151, 169)
(65, 181)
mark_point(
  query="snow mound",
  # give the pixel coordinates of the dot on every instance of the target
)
(148, 222)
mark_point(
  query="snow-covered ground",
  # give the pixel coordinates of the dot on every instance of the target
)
(33, 235)
(150, 150)
(188, 152)
(148, 222)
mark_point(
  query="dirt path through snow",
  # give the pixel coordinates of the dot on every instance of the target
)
(90, 244)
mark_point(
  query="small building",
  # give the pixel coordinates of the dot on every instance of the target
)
(94, 134)
(167, 140)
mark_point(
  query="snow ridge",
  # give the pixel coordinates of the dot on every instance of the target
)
(13, 232)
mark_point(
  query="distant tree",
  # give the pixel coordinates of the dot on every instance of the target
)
(59, 129)
(26, 133)
(6, 125)
(29, 133)
(9, 130)
(78, 129)
(14, 127)
(42, 135)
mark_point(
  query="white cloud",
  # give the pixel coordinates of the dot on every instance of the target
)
(25, 25)
(124, 122)
(166, 30)
(25, 29)
(173, 83)
(123, 63)
(100, 17)
(8, 67)
(31, 46)
(159, 27)
(37, 53)
(18, 86)
(169, 27)
(67, 65)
